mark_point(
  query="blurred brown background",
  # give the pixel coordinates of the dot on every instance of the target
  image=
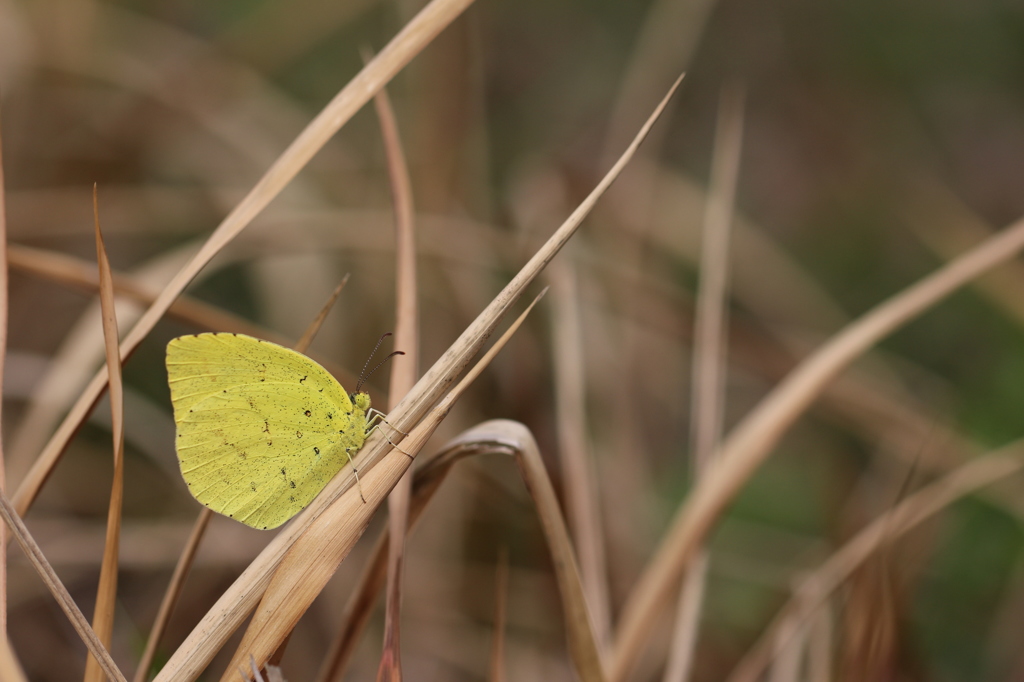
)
(880, 138)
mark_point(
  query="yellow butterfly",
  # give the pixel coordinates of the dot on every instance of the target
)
(261, 429)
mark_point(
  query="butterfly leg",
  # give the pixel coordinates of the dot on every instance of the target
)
(355, 472)
(376, 427)
(375, 416)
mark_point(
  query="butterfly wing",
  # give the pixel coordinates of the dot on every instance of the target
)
(260, 429)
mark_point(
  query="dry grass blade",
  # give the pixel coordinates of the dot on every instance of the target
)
(403, 375)
(880, 533)
(239, 599)
(710, 343)
(710, 325)
(4, 303)
(497, 666)
(416, 35)
(174, 587)
(316, 555)
(60, 593)
(578, 475)
(302, 345)
(80, 273)
(106, 594)
(66, 269)
(753, 439)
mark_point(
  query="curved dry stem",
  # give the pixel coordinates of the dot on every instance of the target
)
(753, 439)
(815, 589)
(106, 593)
(403, 376)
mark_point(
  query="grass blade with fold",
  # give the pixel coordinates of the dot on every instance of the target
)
(106, 594)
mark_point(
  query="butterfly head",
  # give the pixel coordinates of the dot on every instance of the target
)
(361, 400)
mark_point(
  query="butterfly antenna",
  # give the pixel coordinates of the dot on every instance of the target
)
(364, 375)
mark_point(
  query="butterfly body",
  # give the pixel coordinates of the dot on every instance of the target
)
(261, 429)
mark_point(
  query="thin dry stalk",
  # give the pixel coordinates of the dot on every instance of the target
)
(753, 439)
(172, 593)
(184, 565)
(302, 345)
(62, 268)
(710, 325)
(709, 350)
(815, 589)
(403, 376)
(316, 555)
(239, 599)
(416, 35)
(57, 589)
(69, 270)
(497, 666)
(578, 475)
(106, 594)
(4, 302)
